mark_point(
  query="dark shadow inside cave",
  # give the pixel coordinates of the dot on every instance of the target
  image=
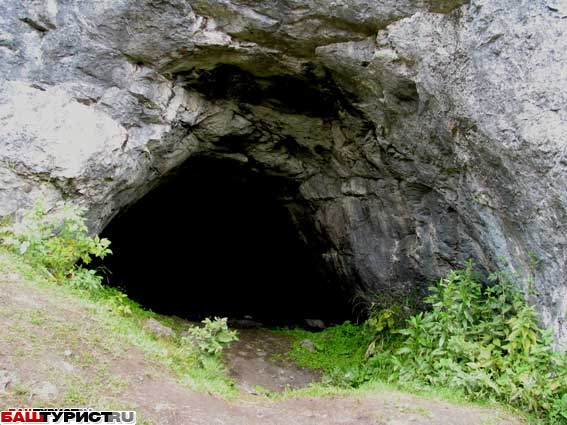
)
(216, 239)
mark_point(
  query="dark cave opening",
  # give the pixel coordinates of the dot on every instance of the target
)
(217, 239)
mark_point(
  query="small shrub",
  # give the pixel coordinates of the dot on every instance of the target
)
(119, 303)
(56, 241)
(85, 279)
(211, 338)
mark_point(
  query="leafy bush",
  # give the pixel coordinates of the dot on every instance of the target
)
(85, 279)
(212, 337)
(120, 304)
(56, 241)
(482, 341)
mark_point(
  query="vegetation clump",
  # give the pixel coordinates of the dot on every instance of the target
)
(55, 240)
(480, 341)
(212, 337)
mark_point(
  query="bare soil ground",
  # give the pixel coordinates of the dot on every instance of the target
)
(257, 362)
(54, 353)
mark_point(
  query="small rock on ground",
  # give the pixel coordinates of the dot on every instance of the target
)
(158, 329)
(307, 344)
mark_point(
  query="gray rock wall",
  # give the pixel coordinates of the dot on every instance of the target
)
(420, 133)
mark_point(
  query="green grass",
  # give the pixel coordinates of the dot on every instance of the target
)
(336, 347)
(339, 352)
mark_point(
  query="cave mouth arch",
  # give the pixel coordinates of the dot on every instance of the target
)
(216, 238)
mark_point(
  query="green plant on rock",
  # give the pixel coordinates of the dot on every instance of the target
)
(211, 338)
(56, 240)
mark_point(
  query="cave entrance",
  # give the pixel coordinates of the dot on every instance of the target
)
(216, 238)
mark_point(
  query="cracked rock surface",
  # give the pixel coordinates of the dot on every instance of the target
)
(413, 134)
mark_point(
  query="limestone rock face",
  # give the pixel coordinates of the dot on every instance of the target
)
(418, 133)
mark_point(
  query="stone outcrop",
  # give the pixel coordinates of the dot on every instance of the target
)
(418, 133)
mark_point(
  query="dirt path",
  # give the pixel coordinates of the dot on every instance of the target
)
(52, 353)
(169, 404)
(257, 363)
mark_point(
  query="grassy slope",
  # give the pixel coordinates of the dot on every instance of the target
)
(82, 344)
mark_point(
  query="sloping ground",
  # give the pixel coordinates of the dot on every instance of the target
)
(57, 350)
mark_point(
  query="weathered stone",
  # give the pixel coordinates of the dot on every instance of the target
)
(158, 329)
(244, 323)
(315, 323)
(307, 344)
(419, 133)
